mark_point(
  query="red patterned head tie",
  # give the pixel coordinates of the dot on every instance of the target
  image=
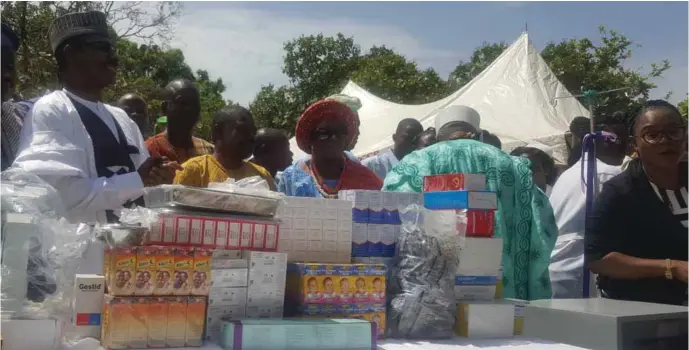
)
(315, 114)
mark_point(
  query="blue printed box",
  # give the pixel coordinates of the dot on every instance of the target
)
(475, 288)
(476, 200)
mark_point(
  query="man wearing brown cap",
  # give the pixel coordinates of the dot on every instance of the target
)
(92, 153)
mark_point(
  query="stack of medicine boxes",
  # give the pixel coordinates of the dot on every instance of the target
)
(478, 275)
(376, 223)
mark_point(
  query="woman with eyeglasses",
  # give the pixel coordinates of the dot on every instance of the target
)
(324, 131)
(636, 237)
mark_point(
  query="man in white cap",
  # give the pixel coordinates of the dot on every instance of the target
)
(458, 122)
(92, 153)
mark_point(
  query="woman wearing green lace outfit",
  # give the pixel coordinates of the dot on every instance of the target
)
(524, 218)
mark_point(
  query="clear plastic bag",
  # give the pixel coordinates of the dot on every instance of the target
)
(421, 290)
(249, 196)
(41, 251)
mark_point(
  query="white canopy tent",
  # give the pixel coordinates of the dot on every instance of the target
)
(514, 96)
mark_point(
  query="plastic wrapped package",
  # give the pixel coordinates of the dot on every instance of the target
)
(249, 196)
(180, 227)
(421, 290)
(41, 251)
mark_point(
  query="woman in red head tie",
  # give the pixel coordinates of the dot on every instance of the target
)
(324, 131)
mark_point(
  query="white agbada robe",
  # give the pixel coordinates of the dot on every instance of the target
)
(381, 163)
(568, 199)
(56, 147)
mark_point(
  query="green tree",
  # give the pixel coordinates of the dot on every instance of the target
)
(391, 76)
(482, 57)
(580, 63)
(31, 20)
(682, 106)
(318, 66)
(276, 108)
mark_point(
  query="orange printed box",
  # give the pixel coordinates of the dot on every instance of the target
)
(196, 312)
(138, 327)
(201, 280)
(145, 270)
(122, 269)
(184, 261)
(176, 322)
(157, 322)
(117, 318)
(165, 267)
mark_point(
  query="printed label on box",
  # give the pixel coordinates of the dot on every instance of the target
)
(221, 233)
(182, 231)
(196, 235)
(272, 234)
(209, 232)
(246, 235)
(259, 236)
(234, 237)
(169, 231)
(156, 235)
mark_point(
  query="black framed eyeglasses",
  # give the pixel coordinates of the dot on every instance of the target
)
(326, 134)
(654, 137)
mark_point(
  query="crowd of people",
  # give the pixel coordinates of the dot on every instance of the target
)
(97, 157)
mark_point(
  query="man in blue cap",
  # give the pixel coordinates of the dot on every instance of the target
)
(92, 153)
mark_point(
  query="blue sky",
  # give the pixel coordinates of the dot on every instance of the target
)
(241, 42)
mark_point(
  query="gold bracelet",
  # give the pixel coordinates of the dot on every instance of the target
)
(668, 269)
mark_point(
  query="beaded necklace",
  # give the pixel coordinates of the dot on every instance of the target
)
(325, 190)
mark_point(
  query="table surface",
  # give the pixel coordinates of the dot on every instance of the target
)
(516, 343)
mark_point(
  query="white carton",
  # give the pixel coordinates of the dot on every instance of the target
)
(375, 201)
(485, 319)
(299, 234)
(314, 234)
(332, 236)
(88, 304)
(228, 278)
(227, 297)
(330, 224)
(390, 201)
(300, 246)
(480, 256)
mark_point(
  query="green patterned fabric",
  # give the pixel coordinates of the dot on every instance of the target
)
(524, 218)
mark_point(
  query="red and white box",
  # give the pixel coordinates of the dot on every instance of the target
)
(454, 182)
(477, 223)
(210, 231)
(473, 223)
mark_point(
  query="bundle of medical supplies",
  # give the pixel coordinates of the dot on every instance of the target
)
(481, 312)
(225, 264)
